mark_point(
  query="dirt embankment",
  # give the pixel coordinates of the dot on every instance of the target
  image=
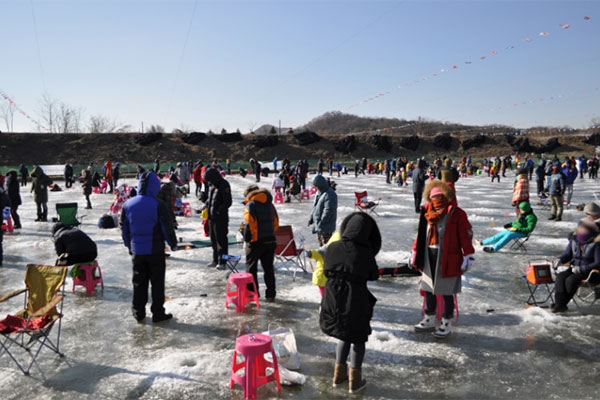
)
(35, 148)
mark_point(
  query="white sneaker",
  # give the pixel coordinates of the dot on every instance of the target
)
(427, 324)
(444, 330)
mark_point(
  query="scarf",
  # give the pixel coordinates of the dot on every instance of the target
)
(438, 208)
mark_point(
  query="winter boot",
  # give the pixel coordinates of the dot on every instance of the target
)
(488, 249)
(161, 317)
(427, 324)
(357, 383)
(340, 374)
(444, 330)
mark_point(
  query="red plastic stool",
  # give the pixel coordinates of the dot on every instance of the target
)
(96, 189)
(313, 190)
(241, 296)
(88, 281)
(278, 198)
(254, 347)
(305, 194)
(7, 225)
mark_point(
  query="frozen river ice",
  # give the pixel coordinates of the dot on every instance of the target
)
(511, 352)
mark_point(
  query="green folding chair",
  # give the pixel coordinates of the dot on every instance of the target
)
(67, 214)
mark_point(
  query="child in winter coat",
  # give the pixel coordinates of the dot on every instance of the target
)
(86, 184)
(318, 278)
(347, 305)
(582, 256)
(442, 251)
(520, 189)
(519, 228)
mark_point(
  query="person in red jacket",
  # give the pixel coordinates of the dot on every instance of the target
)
(198, 177)
(442, 251)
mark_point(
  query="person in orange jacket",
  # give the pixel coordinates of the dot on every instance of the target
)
(108, 174)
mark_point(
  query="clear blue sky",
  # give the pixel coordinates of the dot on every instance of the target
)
(261, 61)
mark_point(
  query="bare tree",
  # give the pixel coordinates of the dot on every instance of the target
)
(58, 116)
(155, 129)
(102, 124)
(7, 112)
(251, 126)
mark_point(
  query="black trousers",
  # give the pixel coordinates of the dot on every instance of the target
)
(566, 285)
(1, 249)
(218, 238)
(89, 203)
(42, 210)
(418, 197)
(15, 216)
(148, 269)
(115, 182)
(68, 182)
(540, 186)
(23, 181)
(265, 253)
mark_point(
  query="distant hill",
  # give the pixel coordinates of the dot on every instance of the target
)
(267, 129)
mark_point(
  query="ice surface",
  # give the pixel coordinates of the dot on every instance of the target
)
(511, 352)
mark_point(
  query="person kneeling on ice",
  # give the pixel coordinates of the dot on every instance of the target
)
(347, 305)
(519, 228)
(72, 245)
(146, 225)
(582, 256)
(442, 251)
(318, 277)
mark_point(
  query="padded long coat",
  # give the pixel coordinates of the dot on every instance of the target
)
(347, 305)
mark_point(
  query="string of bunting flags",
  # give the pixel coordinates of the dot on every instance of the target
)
(20, 110)
(455, 67)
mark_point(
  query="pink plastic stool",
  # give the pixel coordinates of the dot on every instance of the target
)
(313, 190)
(305, 194)
(254, 347)
(241, 296)
(187, 209)
(88, 281)
(7, 225)
(278, 198)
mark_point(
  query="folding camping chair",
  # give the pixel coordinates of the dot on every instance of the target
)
(539, 273)
(30, 328)
(519, 243)
(363, 204)
(231, 262)
(286, 251)
(67, 214)
(588, 293)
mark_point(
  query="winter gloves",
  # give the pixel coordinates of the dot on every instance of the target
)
(467, 263)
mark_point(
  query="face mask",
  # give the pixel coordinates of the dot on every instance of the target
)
(583, 237)
(439, 203)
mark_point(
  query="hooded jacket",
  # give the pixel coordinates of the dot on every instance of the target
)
(540, 172)
(347, 305)
(526, 223)
(570, 174)
(219, 196)
(557, 184)
(13, 188)
(586, 255)
(39, 185)
(145, 220)
(79, 246)
(324, 212)
(260, 217)
(520, 190)
(318, 276)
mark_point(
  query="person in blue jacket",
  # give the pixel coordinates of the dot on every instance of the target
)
(582, 256)
(570, 173)
(324, 212)
(146, 225)
(582, 166)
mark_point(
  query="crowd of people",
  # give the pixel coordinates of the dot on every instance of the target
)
(442, 250)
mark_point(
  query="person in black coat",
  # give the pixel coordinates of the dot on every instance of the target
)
(72, 245)
(217, 204)
(24, 174)
(4, 202)
(347, 305)
(86, 184)
(13, 190)
(68, 172)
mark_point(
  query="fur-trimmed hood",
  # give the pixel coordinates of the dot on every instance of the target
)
(448, 191)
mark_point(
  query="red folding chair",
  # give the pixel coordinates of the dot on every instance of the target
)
(286, 251)
(364, 204)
